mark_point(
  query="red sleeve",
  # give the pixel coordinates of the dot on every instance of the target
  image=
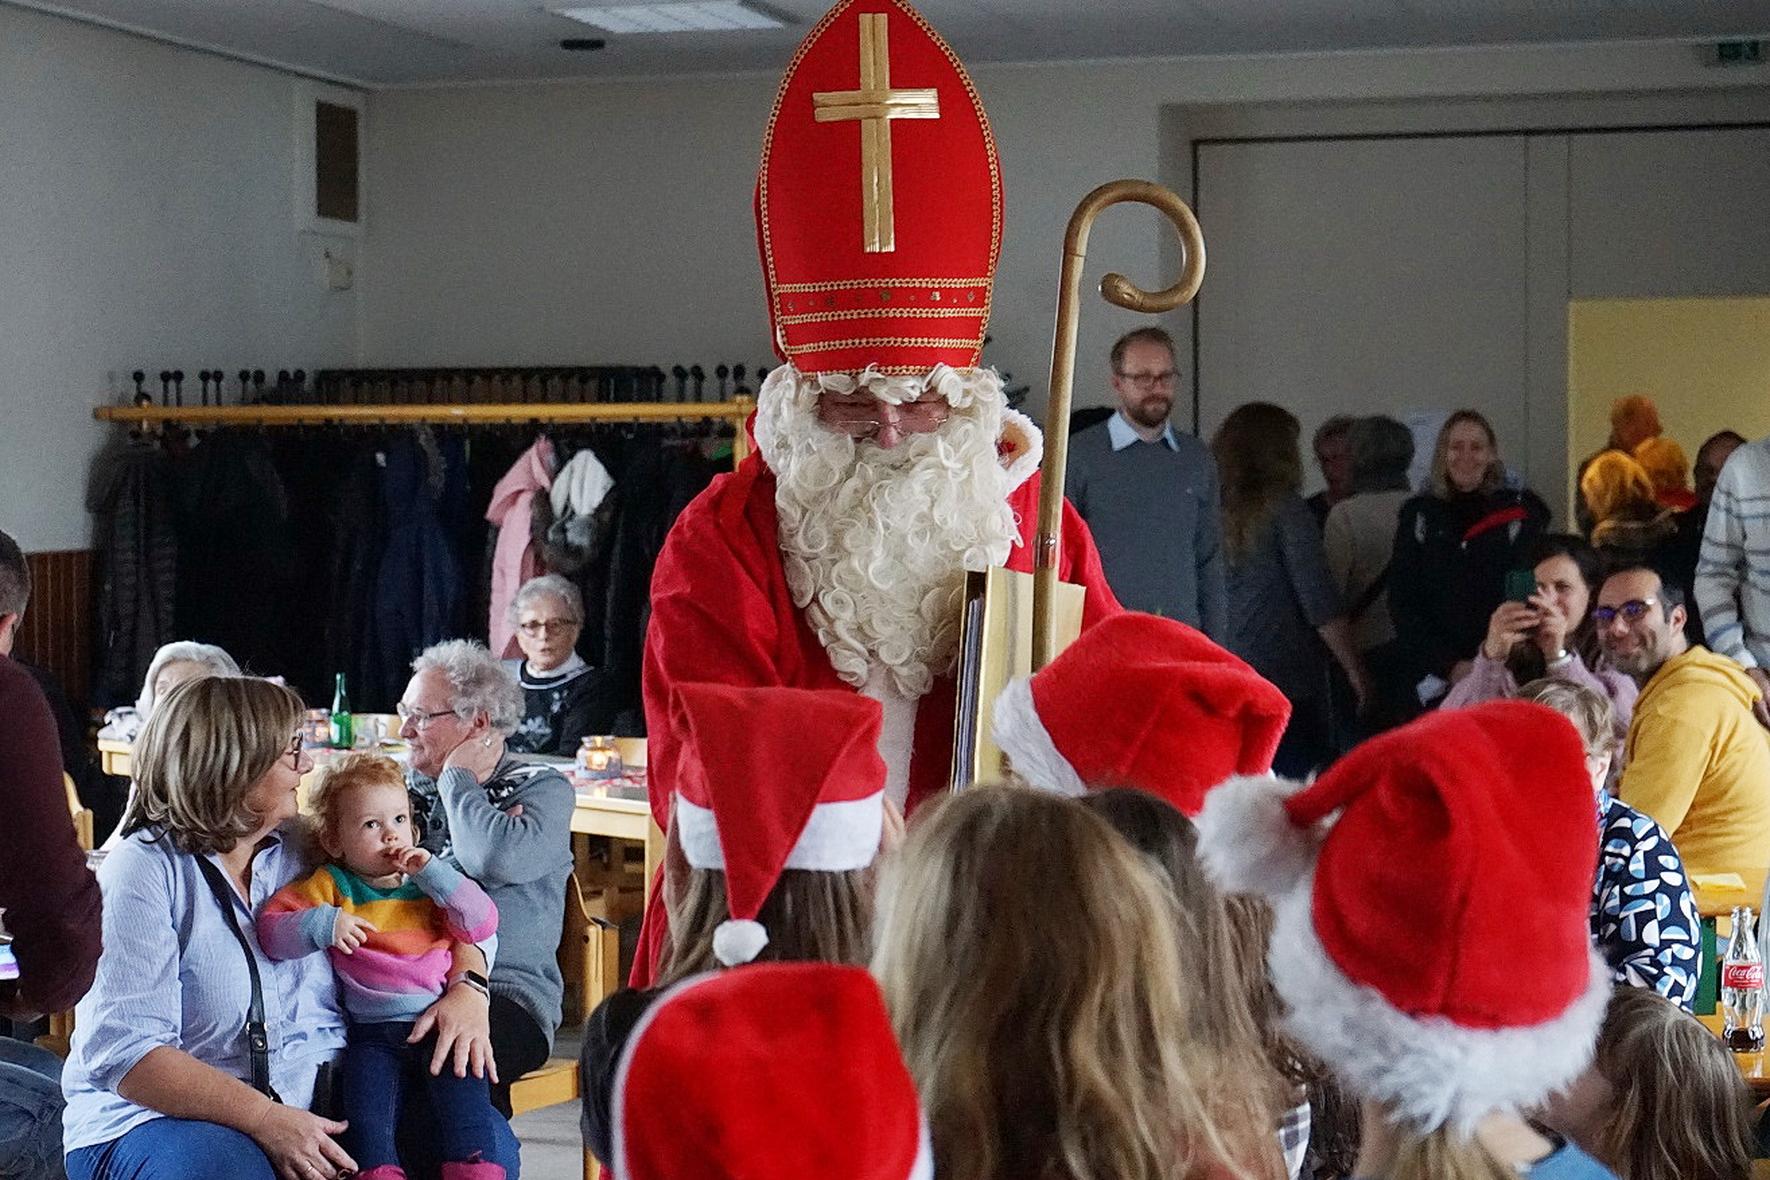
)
(718, 604)
(50, 896)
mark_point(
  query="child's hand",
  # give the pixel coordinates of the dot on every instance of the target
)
(410, 860)
(350, 932)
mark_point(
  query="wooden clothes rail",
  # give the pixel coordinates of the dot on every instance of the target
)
(737, 411)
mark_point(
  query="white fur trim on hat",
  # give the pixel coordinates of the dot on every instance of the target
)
(837, 838)
(1246, 838)
(737, 941)
(624, 1065)
(1023, 737)
(1428, 1070)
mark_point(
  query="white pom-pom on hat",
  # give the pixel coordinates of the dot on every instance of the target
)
(1248, 840)
(737, 941)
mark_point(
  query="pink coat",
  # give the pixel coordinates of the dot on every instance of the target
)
(515, 561)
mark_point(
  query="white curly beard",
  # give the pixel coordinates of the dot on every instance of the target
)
(876, 542)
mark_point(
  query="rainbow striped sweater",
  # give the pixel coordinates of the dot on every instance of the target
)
(402, 967)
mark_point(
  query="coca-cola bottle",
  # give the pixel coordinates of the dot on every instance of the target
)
(1742, 987)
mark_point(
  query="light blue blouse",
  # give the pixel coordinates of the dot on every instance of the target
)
(172, 974)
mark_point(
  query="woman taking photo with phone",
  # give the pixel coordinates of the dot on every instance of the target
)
(1545, 629)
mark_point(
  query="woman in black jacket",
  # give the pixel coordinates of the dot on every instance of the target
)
(1453, 547)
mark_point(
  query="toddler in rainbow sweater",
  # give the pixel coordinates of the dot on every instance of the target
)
(389, 915)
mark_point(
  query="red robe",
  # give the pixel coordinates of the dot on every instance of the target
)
(721, 613)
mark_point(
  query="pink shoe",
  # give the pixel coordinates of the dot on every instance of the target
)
(384, 1172)
(473, 1170)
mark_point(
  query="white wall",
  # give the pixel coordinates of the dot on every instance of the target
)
(611, 222)
(146, 221)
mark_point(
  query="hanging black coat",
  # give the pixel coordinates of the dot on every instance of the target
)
(137, 565)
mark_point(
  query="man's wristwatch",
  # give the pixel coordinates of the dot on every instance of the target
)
(472, 979)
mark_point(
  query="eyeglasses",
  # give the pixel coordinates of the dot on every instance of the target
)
(419, 717)
(864, 417)
(543, 626)
(294, 751)
(1632, 611)
(1151, 381)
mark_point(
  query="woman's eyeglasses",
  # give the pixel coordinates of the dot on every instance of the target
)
(542, 626)
(418, 717)
(1632, 611)
(294, 751)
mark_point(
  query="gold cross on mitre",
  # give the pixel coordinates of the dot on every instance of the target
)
(875, 104)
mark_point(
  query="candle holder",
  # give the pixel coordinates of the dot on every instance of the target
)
(598, 759)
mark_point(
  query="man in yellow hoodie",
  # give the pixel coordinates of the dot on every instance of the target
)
(1697, 760)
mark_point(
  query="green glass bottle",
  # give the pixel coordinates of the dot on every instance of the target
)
(343, 728)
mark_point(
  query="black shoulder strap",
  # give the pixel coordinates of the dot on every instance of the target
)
(257, 1036)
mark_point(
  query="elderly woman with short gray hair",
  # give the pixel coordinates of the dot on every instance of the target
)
(505, 823)
(564, 698)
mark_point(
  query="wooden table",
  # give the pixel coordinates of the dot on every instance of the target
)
(1751, 1065)
(621, 818)
(114, 757)
(1718, 901)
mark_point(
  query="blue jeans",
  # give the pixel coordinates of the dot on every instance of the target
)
(30, 1112)
(380, 1070)
(181, 1149)
(173, 1149)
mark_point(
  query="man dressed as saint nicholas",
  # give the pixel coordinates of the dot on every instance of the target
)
(888, 463)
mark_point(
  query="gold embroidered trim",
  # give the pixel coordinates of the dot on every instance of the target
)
(888, 312)
(863, 284)
(885, 342)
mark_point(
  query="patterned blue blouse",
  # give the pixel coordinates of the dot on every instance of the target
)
(1643, 915)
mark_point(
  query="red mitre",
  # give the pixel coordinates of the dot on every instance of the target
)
(879, 200)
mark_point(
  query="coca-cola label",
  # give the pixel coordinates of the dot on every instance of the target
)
(1742, 976)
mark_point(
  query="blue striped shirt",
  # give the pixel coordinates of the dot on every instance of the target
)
(1733, 573)
(172, 974)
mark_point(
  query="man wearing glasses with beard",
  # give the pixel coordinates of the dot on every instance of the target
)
(1697, 759)
(1149, 493)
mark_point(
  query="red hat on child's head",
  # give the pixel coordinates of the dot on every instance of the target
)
(879, 200)
(775, 779)
(1141, 701)
(777, 1069)
(1431, 895)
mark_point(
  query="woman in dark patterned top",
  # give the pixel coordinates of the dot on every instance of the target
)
(564, 698)
(1644, 919)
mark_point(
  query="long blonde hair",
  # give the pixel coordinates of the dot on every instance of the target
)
(1029, 958)
(1258, 465)
(1680, 1109)
(810, 916)
(208, 741)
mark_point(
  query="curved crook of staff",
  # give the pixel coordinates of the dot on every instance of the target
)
(1122, 292)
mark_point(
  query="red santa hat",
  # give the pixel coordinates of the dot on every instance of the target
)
(775, 779)
(780, 1069)
(1141, 701)
(879, 199)
(1431, 895)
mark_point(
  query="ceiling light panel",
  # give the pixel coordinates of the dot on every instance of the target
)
(696, 17)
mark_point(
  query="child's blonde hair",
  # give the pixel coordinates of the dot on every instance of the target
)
(1591, 712)
(1681, 1110)
(345, 773)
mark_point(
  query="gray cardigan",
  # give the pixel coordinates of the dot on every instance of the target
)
(522, 861)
